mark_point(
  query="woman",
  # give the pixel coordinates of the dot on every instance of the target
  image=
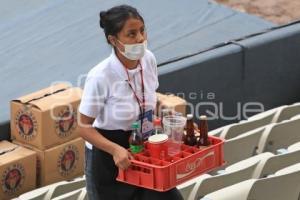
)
(118, 91)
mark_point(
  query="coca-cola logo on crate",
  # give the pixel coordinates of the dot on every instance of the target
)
(26, 124)
(67, 160)
(187, 168)
(13, 178)
(66, 122)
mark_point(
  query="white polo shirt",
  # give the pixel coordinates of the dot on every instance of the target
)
(108, 98)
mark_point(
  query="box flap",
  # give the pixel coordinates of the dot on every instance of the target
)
(6, 147)
(42, 93)
(170, 98)
(12, 152)
(58, 99)
(33, 98)
(27, 146)
(160, 96)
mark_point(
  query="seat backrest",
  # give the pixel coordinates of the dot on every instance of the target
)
(295, 117)
(294, 147)
(38, 194)
(266, 113)
(66, 187)
(54, 190)
(244, 126)
(287, 112)
(280, 135)
(239, 191)
(187, 187)
(72, 195)
(284, 184)
(233, 174)
(217, 132)
(277, 162)
(242, 147)
(83, 195)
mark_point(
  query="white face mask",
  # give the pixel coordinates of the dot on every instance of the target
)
(134, 51)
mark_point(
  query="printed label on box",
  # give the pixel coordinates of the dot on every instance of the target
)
(13, 178)
(66, 123)
(67, 160)
(26, 124)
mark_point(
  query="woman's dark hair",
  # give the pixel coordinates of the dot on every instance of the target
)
(112, 21)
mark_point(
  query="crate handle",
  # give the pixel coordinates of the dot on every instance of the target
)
(142, 165)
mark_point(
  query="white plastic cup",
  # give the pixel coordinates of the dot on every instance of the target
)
(174, 128)
(158, 146)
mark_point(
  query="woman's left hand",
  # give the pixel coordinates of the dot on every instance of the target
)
(122, 157)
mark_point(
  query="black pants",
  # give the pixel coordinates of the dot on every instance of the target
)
(101, 173)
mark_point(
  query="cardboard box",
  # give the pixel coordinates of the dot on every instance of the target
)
(46, 118)
(17, 170)
(63, 162)
(171, 102)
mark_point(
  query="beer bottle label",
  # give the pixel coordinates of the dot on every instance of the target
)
(136, 148)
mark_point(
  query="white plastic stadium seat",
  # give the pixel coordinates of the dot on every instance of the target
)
(79, 194)
(269, 114)
(296, 117)
(287, 112)
(294, 147)
(243, 146)
(187, 187)
(233, 174)
(277, 162)
(54, 190)
(284, 184)
(217, 132)
(244, 126)
(280, 135)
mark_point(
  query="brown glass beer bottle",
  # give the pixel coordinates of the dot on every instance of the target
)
(203, 128)
(190, 138)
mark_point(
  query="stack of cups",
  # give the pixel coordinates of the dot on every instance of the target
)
(174, 128)
(158, 146)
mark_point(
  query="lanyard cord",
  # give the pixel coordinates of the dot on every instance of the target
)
(141, 104)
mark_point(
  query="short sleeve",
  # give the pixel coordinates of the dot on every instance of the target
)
(154, 65)
(94, 96)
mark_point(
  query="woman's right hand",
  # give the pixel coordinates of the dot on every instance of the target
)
(121, 157)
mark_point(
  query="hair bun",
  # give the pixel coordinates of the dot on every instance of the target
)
(102, 16)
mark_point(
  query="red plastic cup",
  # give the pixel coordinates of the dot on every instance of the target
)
(157, 146)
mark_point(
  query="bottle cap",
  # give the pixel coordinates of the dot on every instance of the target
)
(189, 116)
(158, 139)
(203, 117)
(157, 122)
(135, 125)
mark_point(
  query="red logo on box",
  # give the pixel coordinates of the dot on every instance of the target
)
(66, 123)
(13, 178)
(26, 124)
(67, 160)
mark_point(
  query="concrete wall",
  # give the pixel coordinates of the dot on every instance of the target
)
(262, 71)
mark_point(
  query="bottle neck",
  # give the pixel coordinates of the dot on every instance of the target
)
(203, 129)
(134, 131)
(190, 127)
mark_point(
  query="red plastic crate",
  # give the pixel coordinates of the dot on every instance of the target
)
(162, 175)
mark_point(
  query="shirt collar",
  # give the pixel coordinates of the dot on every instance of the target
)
(119, 68)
